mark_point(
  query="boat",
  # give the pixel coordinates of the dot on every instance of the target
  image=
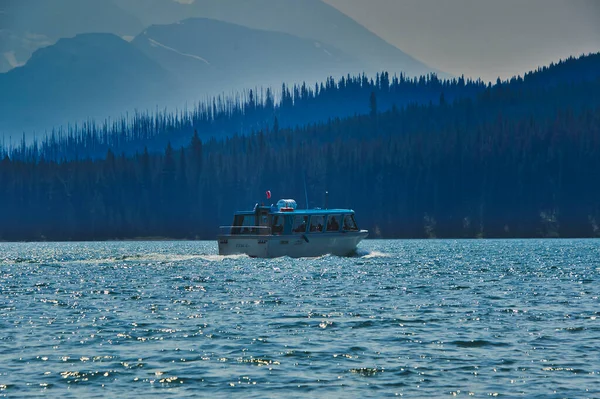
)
(284, 230)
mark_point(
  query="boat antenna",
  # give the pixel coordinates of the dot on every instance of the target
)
(305, 191)
(326, 199)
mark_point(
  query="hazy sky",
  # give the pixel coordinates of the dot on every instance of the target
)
(482, 38)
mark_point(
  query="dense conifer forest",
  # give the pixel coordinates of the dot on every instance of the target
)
(413, 158)
(239, 113)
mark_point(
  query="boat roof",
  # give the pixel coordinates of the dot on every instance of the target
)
(302, 212)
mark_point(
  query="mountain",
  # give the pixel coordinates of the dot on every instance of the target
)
(48, 20)
(101, 75)
(15, 48)
(27, 25)
(90, 75)
(212, 56)
(310, 19)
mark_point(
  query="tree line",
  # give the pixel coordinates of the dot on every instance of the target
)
(237, 113)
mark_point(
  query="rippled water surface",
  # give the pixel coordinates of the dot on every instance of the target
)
(402, 318)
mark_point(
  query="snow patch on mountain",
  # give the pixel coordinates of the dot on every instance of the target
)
(12, 59)
(157, 44)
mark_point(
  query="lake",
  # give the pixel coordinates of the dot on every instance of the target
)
(412, 318)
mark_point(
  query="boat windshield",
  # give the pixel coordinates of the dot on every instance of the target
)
(349, 223)
(244, 224)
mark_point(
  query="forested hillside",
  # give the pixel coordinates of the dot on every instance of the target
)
(241, 114)
(518, 159)
(254, 110)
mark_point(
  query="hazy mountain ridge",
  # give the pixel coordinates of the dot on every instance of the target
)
(311, 19)
(28, 25)
(92, 75)
(16, 49)
(212, 56)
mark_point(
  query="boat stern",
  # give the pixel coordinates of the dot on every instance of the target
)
(256, 246)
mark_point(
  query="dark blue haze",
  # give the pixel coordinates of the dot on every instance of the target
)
(438, 318)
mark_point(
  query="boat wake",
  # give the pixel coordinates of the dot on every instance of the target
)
(220, 258)
(146, 259)
(371, 254)
(156, 257)
(164, 258)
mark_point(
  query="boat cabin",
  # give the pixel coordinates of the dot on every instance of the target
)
(285, 219)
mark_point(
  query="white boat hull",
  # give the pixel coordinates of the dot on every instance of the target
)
(295, 246)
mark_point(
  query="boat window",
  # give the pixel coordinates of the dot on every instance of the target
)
(349, 223)
(316, 223)
(278, 224)
(333, 222)
(244, 224)
(299, 225)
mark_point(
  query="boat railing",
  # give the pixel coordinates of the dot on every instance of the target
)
(245, 230)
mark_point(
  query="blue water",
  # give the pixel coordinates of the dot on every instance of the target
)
(472, 318)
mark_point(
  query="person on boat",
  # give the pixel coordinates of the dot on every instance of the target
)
(349, 224)
(277, 225)
(301, 227)
(333, 224)
(316, 223)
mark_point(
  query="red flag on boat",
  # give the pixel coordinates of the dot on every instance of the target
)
(268, 194)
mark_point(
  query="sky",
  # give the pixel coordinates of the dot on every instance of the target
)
(482, 38)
